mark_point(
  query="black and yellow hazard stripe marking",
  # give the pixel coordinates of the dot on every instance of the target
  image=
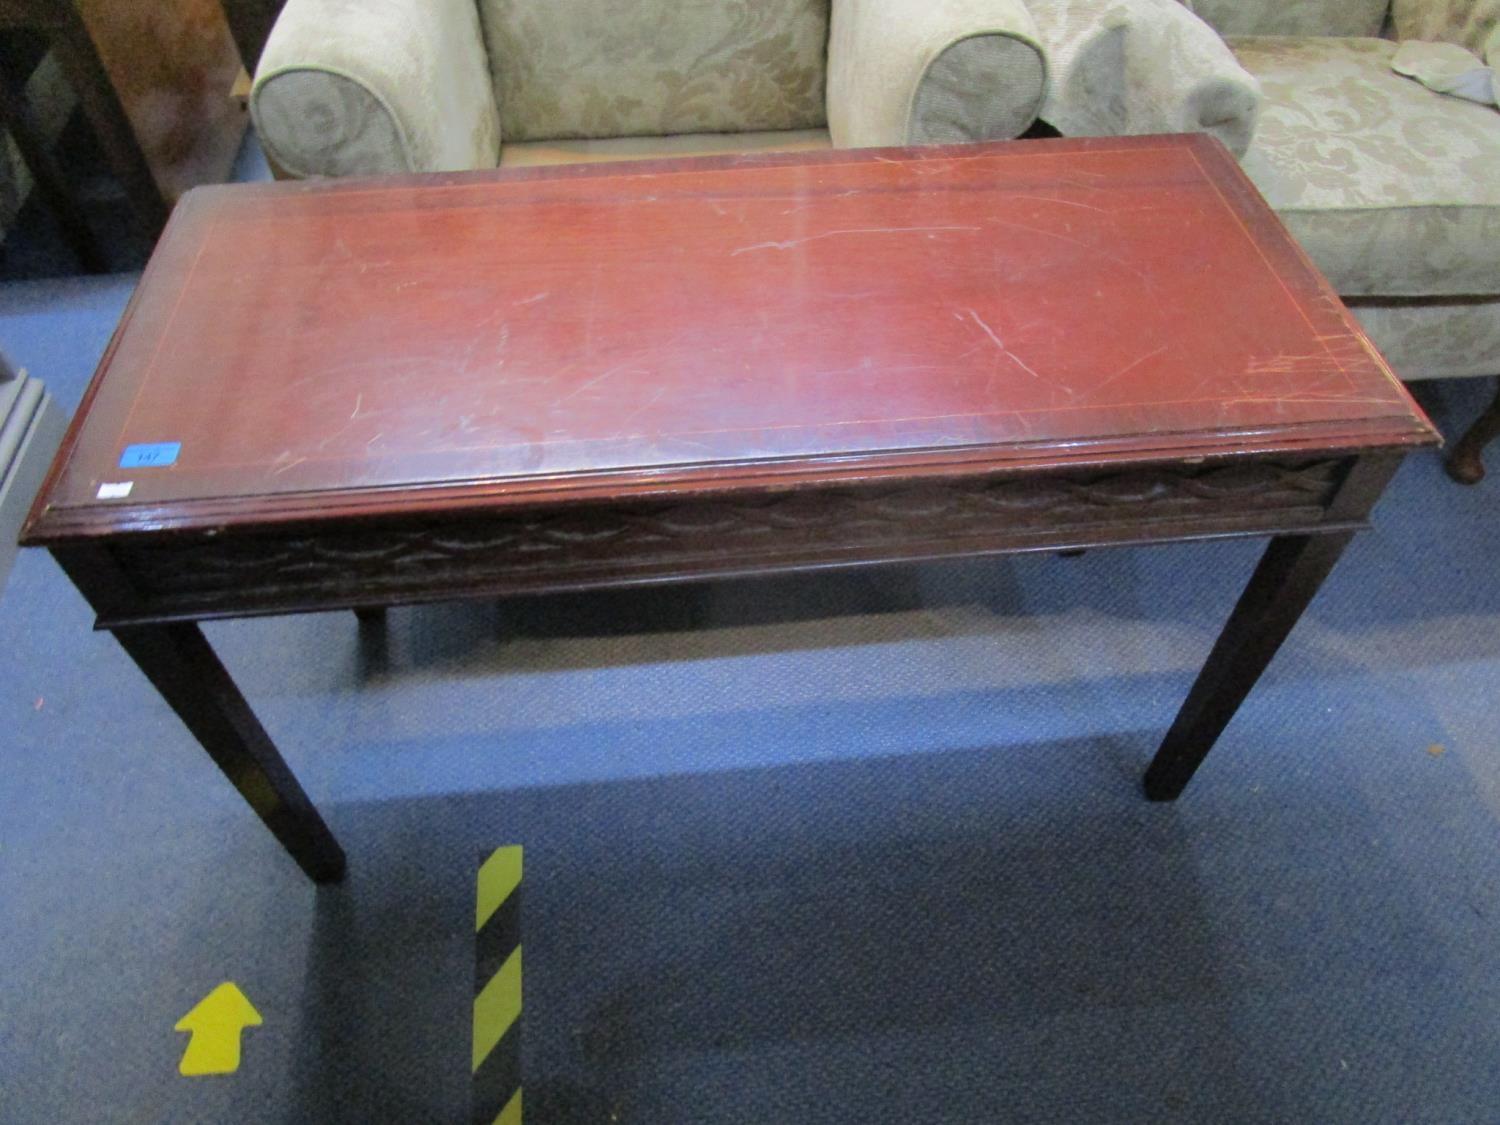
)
(497, 990)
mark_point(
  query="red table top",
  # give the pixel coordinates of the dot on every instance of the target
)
(334, 348)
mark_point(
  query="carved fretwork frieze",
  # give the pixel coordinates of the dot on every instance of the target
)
(756, 530)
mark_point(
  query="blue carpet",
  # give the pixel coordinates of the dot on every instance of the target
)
(847, 848)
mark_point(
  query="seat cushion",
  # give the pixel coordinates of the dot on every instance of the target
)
(528, 154)
(1394, 190)
(593, 68)
(1435, 339)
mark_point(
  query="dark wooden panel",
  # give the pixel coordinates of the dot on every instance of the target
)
(172, 64)
(504, 338)
(154, 80)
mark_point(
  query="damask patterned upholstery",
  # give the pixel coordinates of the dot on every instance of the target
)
(932, 71)
(1469, 23)
(1393, 189)
(530, 154)
(1435, 339)
(1293, 17)
(321, 108)
(371, 86)
(582, 68)
(1141, 66)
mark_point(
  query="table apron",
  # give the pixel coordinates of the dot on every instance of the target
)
(181, 576)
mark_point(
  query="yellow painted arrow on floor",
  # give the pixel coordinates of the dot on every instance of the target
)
(216, 1022)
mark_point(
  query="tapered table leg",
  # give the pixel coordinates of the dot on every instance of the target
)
(179, 661)
(1288, 577)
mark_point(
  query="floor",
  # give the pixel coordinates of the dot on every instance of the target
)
(850, 848)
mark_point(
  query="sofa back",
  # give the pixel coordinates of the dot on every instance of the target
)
(1469, 23)
(601, 68)
(1293, 17)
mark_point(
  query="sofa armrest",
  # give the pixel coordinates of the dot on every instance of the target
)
(1142, 66)
(379, 86)
(932, 71)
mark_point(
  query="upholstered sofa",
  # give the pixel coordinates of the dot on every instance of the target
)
(1393, 189)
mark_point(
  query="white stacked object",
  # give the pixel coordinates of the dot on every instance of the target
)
(31, 426)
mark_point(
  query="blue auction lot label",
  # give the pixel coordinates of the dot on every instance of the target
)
(151, 456)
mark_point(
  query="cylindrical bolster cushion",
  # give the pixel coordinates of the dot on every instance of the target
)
(314, 123)
(350, 87)
(1121, 67)
(932, 71)
(982, 87)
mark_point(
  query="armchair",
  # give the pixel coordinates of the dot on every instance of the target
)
(436, 85)
(375, 86)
